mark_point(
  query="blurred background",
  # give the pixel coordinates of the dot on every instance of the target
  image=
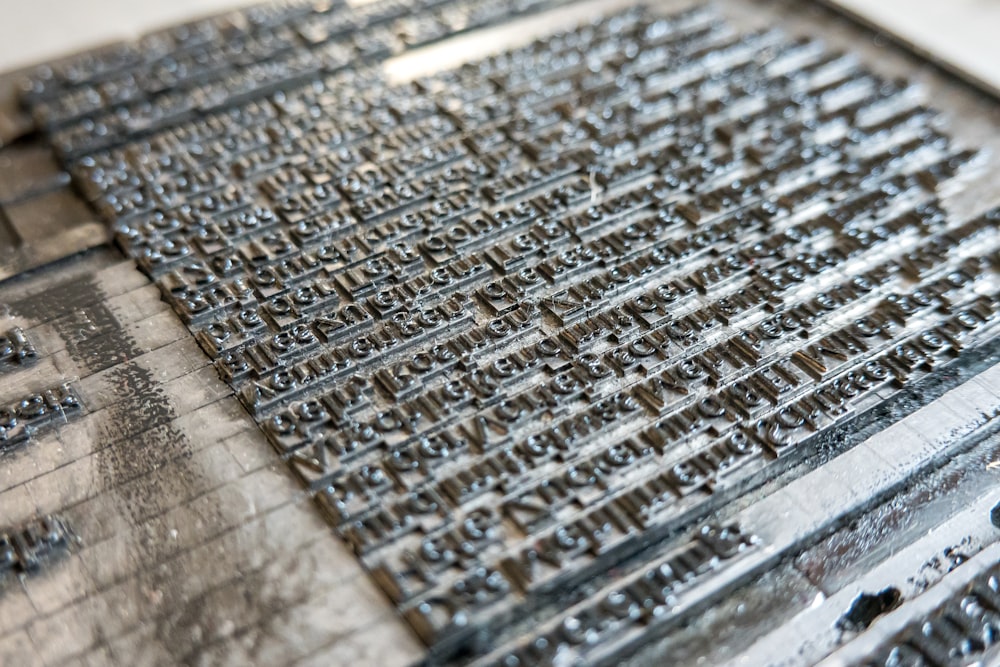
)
(32, 31)
(963, 33)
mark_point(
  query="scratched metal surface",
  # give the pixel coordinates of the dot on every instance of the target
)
(197, 545)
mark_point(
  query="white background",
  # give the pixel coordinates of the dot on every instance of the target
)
(32, 31)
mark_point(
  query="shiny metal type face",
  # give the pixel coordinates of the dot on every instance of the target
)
(584, 327)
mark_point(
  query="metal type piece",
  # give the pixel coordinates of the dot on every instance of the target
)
(16, 349)
(22, 418)
(27, 548)
(962, 629)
